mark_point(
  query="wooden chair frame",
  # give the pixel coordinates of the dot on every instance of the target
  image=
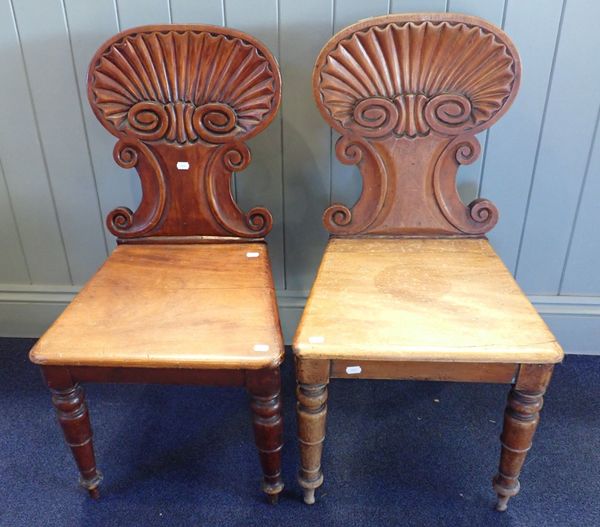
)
(525, 399)
(263, 386)
(181, 99)
(408, 141)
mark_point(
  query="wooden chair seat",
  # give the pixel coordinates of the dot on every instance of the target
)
(172, 306)
(413, 299)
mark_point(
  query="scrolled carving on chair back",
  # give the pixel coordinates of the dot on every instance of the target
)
(407, 93)
(182, 99)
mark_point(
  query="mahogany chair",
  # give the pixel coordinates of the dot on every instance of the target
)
(409, 287)
(187, 296)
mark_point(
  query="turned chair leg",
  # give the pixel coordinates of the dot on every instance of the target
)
(521, 419)
(264, 387)
(312, 412)
(68, 399)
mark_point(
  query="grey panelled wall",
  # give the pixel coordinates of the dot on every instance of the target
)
(540, 164)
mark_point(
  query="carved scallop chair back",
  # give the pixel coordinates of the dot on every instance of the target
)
(408, 93)
(182, 99)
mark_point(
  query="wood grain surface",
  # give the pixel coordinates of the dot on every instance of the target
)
(423, 300)
(160, 306)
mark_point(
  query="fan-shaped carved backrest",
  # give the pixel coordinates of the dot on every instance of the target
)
(408, 93)
(181, 100)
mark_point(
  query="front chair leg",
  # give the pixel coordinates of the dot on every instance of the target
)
(264, 387)
(312, 413)
(68, 399)
(521, 419)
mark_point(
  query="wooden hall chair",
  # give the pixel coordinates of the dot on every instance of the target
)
(409, 287)
(187, 296)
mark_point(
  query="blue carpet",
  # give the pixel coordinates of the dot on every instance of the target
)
(179, 455)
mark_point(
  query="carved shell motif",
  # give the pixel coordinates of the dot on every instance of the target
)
(182, 86)
(414, 77)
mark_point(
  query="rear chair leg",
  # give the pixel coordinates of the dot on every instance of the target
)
(264, 387)
(68, 399)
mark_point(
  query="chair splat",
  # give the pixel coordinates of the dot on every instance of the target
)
(182, 100)
(408, 93)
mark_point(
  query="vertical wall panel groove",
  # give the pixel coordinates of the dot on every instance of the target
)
(91, 22)
(417, 6)
(58, 113)
(305, 27)
(38, 136)
(83, 100)
(13, 265)
(199, 12)
(141, 12)
(580, 275)
(539, 136)
(560, 170)
(282, 165)
(511, 153)
(579, 200)
(23, 164)
(117, 16)
(260, 183)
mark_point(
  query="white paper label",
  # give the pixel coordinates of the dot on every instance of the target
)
(183, 165)
(252, 255)
(352, 370)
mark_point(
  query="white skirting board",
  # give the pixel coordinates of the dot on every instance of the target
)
(26, 311)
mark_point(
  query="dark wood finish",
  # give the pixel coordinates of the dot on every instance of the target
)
(188, 95)
(521, 418)
(408, 93)
(196, 304)
(264, 388)
(68, 399)
(263, 385)
(158, 376)
(425, 371)
(532, 376)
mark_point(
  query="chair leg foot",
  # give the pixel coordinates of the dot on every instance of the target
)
(95, 494)
(502, 503)
(272, 490)
(309, 496)
(312, 413)
(93, 485)
(273, 499)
